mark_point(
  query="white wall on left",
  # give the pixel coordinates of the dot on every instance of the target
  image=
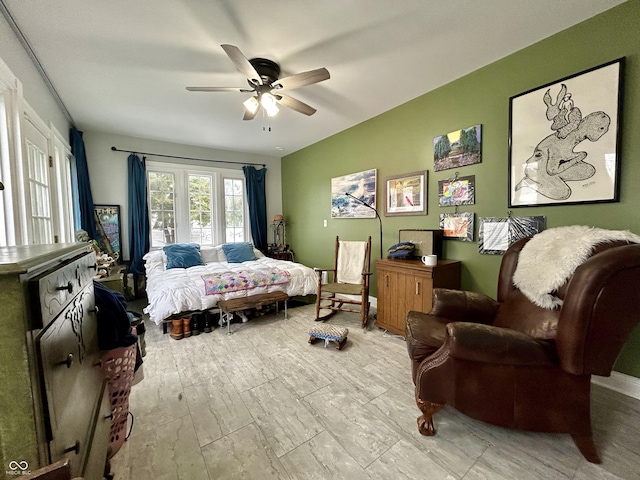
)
(34, 89)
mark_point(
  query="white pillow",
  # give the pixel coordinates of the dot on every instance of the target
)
(212, 254)
(154, 256)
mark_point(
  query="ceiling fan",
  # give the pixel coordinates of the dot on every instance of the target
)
(262, 75)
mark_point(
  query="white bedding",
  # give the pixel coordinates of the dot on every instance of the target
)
(182, 289)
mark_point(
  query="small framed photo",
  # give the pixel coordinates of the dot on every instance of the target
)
(457, 226)
(406, 194)
(457, 191)
(564, 140)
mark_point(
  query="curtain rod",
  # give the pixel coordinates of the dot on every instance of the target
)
(186, 158)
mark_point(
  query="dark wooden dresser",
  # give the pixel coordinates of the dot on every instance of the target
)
(53, 400)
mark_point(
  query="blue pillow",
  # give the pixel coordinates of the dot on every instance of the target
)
(239, 252)
(183, 255)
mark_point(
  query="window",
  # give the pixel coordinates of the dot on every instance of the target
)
(37, 187)
(39, 191)
(200, 200)
(35, 170)
(4, 174)
(196, 204)
(63, 190)
(8, 122)
(161, 208)
(234, 210)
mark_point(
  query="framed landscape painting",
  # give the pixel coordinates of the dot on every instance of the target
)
(458, 148)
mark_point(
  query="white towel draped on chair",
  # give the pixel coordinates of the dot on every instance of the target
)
(351, 261)
(348, 287)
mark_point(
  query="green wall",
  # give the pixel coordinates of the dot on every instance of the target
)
(400, 141)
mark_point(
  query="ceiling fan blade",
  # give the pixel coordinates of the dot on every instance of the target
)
(242, 64)
(219, 89)
(302, 79)
(295, 104)
(250, 116)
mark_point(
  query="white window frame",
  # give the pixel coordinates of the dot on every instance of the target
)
(62, 189)
(32, 120)
(15, 200)
(181, 174)
(244, 204)
(11, 231)
(213, 210)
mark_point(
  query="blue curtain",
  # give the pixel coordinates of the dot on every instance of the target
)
(85, 199)
(138, 214)
(257, 200)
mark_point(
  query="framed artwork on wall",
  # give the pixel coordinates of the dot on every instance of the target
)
(457, 226)
(496, 234)
(458, 148)
(457, 191)
(564, 140)
(362, 186)
(108, 224)
(406, 194)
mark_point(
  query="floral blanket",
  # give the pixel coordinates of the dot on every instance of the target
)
(224, 282)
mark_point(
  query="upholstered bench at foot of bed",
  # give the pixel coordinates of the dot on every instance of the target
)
(229, 307)
(328, 333)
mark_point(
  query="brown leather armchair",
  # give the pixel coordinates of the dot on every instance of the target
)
(512, 363)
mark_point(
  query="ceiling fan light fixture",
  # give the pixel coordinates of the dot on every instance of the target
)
(272, 111)
(263, 77)
(268, 102)
(251, 104)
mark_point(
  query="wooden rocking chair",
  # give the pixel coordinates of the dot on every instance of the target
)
(348, 285)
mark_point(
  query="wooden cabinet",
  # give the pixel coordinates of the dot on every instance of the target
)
(52, 393)
(405, 285)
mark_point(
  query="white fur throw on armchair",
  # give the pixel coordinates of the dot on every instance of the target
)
(551, 256)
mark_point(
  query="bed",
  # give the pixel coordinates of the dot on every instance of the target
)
(172, 290)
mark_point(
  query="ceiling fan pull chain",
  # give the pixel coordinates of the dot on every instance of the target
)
(266, 126)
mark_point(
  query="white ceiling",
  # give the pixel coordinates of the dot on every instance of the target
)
(121, 66)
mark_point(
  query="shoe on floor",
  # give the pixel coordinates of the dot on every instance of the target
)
(177, 330)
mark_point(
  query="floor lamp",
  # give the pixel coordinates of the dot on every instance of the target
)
(379, 219)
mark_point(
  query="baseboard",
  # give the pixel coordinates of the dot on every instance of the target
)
(621, 383)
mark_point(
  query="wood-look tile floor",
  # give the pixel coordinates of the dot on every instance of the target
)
(262, 403)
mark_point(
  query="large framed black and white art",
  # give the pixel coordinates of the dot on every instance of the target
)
(564, 140)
